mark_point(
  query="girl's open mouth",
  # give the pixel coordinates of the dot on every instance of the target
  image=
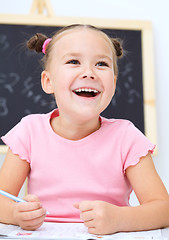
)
(86, 92)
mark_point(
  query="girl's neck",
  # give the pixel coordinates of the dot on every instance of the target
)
(74, 131)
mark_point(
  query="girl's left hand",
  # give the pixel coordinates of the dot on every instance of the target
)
(99, 217)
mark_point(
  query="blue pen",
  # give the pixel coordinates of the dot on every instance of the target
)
(16, 199)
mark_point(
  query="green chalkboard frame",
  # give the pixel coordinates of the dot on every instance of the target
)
(147, 54)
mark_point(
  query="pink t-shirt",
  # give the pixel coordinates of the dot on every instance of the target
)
(64, 172)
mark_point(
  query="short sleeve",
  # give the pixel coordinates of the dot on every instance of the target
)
(17, 139)
(134, 146)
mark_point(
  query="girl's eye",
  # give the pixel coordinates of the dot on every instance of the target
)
(102, 64)
(73, 61)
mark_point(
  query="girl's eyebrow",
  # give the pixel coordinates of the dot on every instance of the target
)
(75, 54)
(71, 55)
(104, 56)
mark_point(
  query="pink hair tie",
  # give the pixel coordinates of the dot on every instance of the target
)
(46, 42)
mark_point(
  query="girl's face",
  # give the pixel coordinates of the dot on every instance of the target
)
(80, 74)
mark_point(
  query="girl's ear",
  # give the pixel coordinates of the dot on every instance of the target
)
(46, 82)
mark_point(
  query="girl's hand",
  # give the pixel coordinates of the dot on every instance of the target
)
(100, 217)
(29, 215)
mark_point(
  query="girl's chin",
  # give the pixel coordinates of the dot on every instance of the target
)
(86, 113)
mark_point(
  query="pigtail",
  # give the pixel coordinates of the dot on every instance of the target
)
(118, 47)
(36, 42)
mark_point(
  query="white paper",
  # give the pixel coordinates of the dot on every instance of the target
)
(73, 231)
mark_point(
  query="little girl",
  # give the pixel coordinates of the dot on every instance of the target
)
(81, 167)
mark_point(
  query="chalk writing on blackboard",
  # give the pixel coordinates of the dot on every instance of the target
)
(133, 94)
(4, 44)
(3, 107)
(12, 81)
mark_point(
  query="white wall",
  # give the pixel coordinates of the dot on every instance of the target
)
(153, 10)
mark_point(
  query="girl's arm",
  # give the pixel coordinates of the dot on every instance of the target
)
(13, 173)
(104, 218)
(153, 211)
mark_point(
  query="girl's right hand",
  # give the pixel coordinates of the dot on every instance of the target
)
(29, 215)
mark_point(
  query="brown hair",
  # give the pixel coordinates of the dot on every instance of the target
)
(36, 43)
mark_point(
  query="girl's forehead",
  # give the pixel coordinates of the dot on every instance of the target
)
(77, 37)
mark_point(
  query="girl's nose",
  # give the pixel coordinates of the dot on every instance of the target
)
(88, 76)
(88, 73)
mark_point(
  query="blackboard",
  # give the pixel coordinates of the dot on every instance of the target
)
(20, 72)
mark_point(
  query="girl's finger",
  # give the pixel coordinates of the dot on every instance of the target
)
(87, 216)
(76, 205)
(86, 206)
(32, 224)
(31, 215)
(31, 198)
(89, 224)
(28, 206)
(92, 230)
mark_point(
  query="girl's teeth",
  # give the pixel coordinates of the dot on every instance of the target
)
(86, 90)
